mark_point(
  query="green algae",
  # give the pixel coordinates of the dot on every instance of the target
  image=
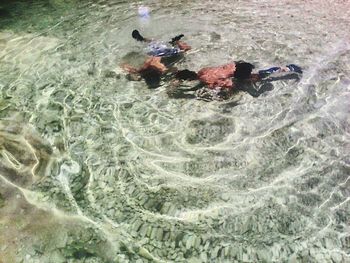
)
(24, 16)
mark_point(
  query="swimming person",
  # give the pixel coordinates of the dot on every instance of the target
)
(161, 56)
(223, 77)
(161, 49)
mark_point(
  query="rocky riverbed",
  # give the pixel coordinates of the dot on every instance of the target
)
(97, 168)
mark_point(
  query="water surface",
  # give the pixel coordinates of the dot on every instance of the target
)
(97, 168)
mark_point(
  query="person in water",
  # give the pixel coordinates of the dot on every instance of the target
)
(223, 77)
(220, 82)
(161, 57)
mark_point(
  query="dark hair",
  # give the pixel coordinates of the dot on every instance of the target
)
(243, 70)
(151, 76)
(186, 75)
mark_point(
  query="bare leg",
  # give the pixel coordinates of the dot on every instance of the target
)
(289, 68)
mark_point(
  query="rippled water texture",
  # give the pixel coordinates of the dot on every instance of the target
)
(97, 168)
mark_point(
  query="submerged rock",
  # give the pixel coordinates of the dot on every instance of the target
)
(2, 201)
(25, 156)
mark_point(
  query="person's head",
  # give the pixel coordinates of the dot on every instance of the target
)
(152, 77)
(243, 70)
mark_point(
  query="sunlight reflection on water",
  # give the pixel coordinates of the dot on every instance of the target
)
(136, 176)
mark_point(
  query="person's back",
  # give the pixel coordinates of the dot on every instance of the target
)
(222, 76)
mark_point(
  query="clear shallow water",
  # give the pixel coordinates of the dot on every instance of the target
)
(95, 168)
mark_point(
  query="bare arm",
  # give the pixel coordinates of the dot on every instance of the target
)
(183, 46)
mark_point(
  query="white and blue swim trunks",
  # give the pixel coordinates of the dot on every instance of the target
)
(160, 49)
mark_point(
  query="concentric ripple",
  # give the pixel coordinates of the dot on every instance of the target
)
(97, 168)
